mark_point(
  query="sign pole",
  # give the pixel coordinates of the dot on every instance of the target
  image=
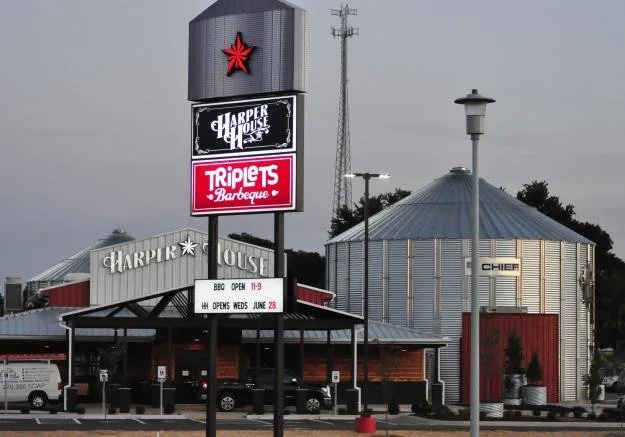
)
(104, 376)
(211, 395)
(336, 378)
(278, 333)
(104, 398)
(162, 376)
(5, 376)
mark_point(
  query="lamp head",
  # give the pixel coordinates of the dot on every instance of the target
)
(475, 110)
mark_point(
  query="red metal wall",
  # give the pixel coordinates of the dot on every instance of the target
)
(537, 331)
(72, 294)
(314, 295)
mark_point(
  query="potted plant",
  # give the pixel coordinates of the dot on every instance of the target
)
(593, 380)
(514, 373)
(534, 393)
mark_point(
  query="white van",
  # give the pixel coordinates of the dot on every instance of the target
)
(32, 382)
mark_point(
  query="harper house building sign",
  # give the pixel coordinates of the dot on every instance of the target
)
(119, 261)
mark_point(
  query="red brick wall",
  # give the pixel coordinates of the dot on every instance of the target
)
(409, 366)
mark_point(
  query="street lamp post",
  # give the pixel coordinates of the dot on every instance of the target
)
(365, 356)
(475, 110)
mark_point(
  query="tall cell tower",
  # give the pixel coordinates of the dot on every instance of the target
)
(343, 185)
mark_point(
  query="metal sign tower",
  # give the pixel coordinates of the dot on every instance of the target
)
(343, 185)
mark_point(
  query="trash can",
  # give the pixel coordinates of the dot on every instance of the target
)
(169, 400)
(72, 398)
(437, 394)
(124, 399)
(144, 392)
(300, 401)
(351, 396)
(155, 395)
(258, 400)
(113, 395)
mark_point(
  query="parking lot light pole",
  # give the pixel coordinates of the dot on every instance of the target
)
(365, 356)
(475, 110)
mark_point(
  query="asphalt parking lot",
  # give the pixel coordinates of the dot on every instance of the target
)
(182, 422)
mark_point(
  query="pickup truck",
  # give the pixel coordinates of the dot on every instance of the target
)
(238, 393)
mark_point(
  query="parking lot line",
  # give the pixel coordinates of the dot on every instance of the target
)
(38, 421)
(140, 421)
(260, 421)
(77, 421)
(318, 420)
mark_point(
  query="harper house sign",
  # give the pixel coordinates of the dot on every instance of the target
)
(250, 127)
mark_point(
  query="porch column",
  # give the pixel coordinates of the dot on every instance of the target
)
(329, 356)
(170, 352)
(301, 355)
(125, 363)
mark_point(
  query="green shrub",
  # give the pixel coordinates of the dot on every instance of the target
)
(444, 412)
(591, 416)
(393, 407)
(112, 410)
(517, 414)
(140, 409)
(422, 409)
(25, 410)
(578, 411)
(536, 412)
(551, 415)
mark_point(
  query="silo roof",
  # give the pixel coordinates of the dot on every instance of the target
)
(442, 209)
(80, 262)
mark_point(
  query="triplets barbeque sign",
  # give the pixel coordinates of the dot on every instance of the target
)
(244, 156)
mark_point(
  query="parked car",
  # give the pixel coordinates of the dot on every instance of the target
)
(610, 382)
(233, 394)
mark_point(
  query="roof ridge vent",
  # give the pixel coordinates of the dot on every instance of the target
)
(460, 170)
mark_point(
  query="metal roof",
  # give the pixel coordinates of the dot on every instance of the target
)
(379, 332)
(43, 324)
(231, 7)
(79, 262)
(442, 209)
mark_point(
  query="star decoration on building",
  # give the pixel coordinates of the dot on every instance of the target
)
(238, 54)
(188, 246)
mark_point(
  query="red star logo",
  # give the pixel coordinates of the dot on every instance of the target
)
(238, 54)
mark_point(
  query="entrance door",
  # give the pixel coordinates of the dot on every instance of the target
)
(191, 371)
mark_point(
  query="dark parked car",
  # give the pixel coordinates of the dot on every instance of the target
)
(233, 394)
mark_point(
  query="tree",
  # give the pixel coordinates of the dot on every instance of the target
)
(609, 304)
(537, 195)
(348, 217)
(307, 267)
(535, 370)
(593, 378)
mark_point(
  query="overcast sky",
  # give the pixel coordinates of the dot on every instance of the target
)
(94, 113)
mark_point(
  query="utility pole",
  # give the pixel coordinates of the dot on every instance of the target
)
(342, 185)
